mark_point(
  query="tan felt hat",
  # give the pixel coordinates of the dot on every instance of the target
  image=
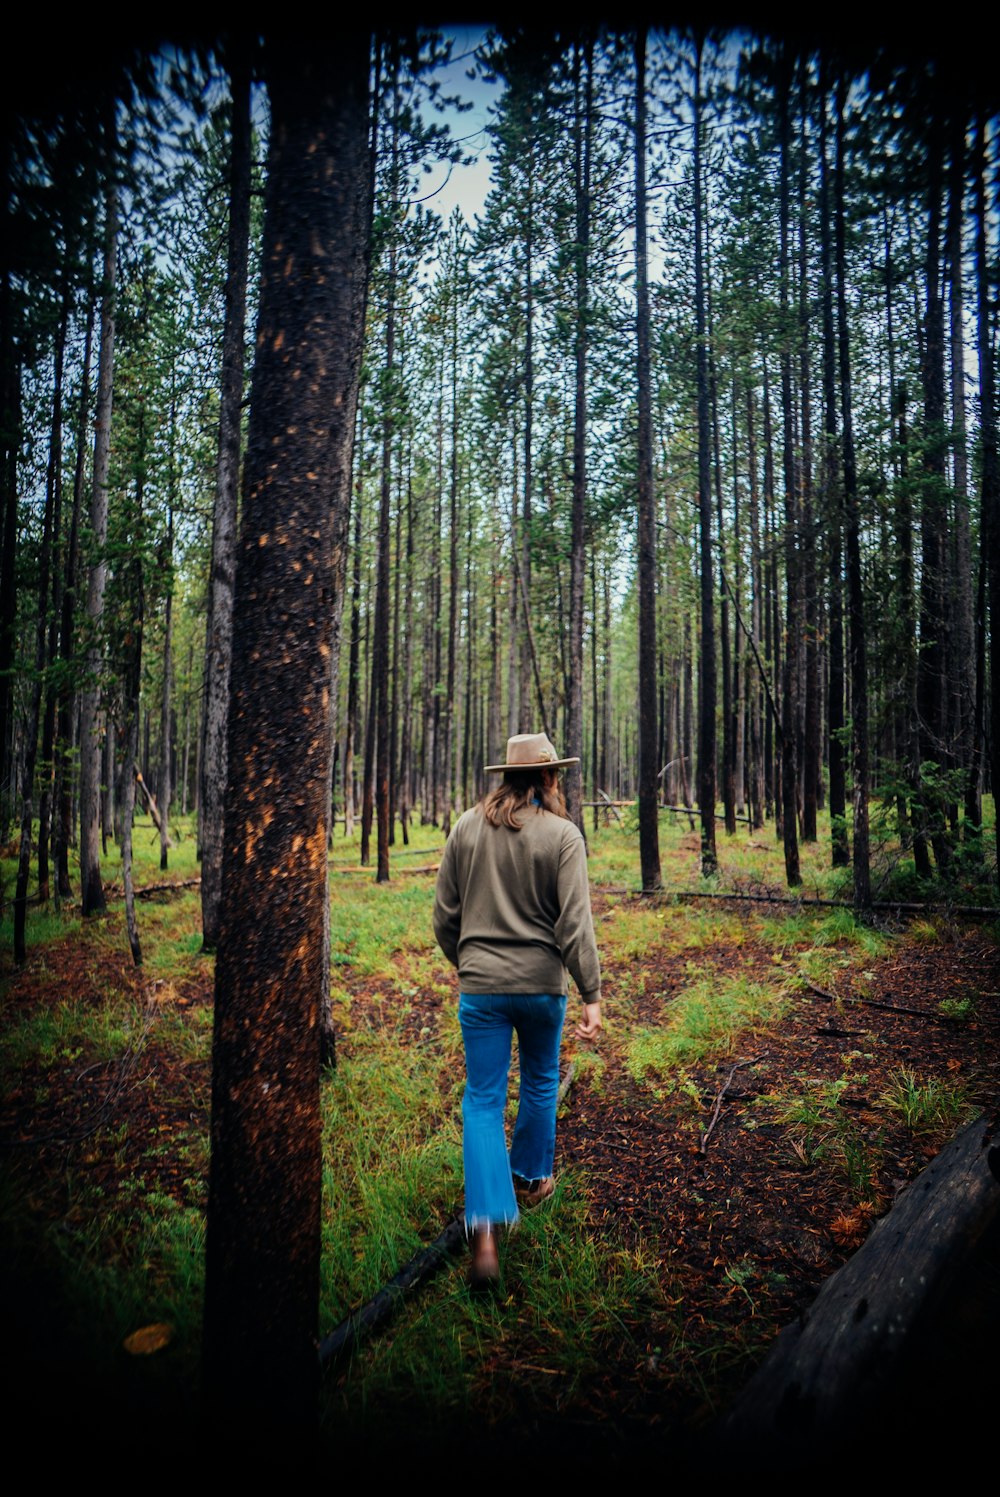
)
(530, 751)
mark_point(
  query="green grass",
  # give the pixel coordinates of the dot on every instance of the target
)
(126, 1234)
(821, 1133)
(927, 1106)
(703, 1021)
(565, 1306)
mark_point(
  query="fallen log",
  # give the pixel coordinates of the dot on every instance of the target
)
(891, 906)
(845, 1376)
(388, 1299)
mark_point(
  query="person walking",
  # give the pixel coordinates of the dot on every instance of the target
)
(512, 913)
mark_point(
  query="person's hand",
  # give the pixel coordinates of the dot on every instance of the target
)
(591, 1022)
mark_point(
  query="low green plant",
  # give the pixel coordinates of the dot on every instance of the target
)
(926, 1106)
(821, 1132)
(740, 1275)
(702, 1020)
(961, 1009)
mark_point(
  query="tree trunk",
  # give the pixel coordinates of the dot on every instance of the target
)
(53, 604)
(583, 57)
(859, 654)
(92, 891)
(755, 692)
(41, 636)
(262, 1264)
(62, 798)
(448, 728)
(932, 659)
(649, 838)
(989, 460)
(165, 702)
(10, 438)
(793, 622)
(219, 626)
(133, 683)
(812, 735)
(961, 674)
(353, 661)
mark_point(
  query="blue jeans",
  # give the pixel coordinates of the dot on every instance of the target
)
(488, 1021)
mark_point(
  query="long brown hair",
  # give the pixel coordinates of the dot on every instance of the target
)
(516, 792)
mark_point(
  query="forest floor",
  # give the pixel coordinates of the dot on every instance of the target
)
(769, 1077)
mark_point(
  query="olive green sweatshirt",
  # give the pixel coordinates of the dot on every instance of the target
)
(512, 909)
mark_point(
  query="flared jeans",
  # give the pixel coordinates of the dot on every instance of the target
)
(488, 1021)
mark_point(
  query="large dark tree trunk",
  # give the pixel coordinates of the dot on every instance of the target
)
(262, 1268)
(649, 839)
(219, 628)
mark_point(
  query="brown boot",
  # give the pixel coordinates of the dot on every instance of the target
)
(484, 1274)
(533, 1192)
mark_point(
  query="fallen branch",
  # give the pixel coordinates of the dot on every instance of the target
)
(383, 1306)
(889, 1008)
(151, 805)
(717, 1110)
(187, 883)
(799, 899)
(689, 811)
(401, 852)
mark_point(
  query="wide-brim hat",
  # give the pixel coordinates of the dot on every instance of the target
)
(530, 751)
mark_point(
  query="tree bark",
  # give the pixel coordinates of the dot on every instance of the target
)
(649, 839)
(219, 626)
(91, 889)
(859, 652)
(41, 636)
(932, 659)
(133, 684)
(961, 672)
(583, 93)
(793, 622)
(812, 734)
(989, 459)
(262, 1264)
(62, 828)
